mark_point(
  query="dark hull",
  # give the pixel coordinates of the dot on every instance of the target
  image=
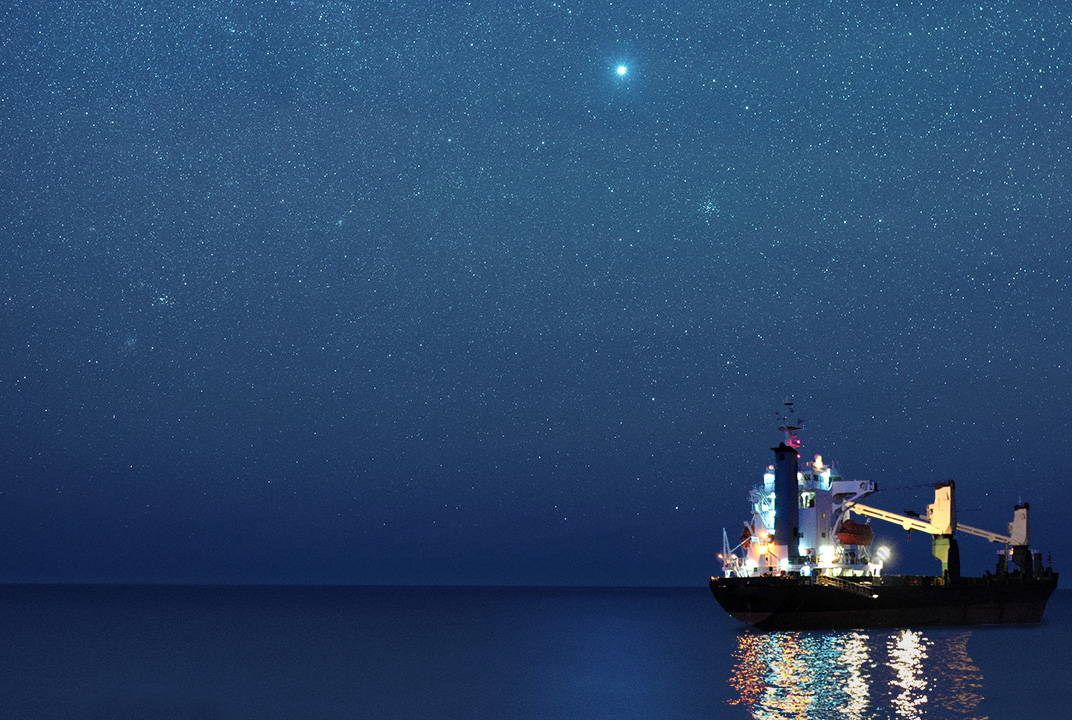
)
(801, 603)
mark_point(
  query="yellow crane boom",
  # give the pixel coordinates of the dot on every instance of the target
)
(942, 519)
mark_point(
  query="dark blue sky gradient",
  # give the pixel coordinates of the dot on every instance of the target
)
(407, 292)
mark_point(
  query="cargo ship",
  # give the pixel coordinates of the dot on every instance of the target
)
(806, 560)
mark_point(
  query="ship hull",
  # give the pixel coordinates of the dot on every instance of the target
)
(802, 603)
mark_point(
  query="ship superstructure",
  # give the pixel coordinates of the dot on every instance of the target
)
(801, 519)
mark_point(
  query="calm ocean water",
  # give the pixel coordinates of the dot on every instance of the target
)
(316, 652)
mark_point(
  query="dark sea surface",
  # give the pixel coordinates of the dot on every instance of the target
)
(399, 652)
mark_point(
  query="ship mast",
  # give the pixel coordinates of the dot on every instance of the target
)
(789, 424)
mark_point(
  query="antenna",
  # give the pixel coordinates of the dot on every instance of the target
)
(789, 423)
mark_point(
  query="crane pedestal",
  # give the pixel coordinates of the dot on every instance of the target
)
(944, 547)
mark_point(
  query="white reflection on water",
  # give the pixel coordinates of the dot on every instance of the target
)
(900, 674)
(908, 653)
(854, 657)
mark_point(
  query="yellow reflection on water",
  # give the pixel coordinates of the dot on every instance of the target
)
(902, 673)
(964, 678)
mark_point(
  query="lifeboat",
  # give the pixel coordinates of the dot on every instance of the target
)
(746, 535)
(854, 533)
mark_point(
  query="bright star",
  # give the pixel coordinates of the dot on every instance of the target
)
(622, 69)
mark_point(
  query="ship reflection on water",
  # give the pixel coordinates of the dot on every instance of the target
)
(905, 673)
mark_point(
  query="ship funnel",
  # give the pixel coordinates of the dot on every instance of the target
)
(786, 498)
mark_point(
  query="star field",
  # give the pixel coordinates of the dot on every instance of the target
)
(387, 293)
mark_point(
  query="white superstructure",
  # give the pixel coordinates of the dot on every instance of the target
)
(823, 498)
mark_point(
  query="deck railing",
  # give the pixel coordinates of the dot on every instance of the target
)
(847, 586)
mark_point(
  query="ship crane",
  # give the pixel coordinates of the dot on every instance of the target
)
(942, 524)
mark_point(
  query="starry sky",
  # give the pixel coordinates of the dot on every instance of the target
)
(508, 293)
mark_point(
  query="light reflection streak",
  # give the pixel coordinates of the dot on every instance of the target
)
(966, 678)
(855, 658)
(901, 674)
(908, 651)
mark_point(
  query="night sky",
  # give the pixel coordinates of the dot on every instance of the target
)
(509, 293)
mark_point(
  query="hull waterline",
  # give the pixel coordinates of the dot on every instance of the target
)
(787, 603)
